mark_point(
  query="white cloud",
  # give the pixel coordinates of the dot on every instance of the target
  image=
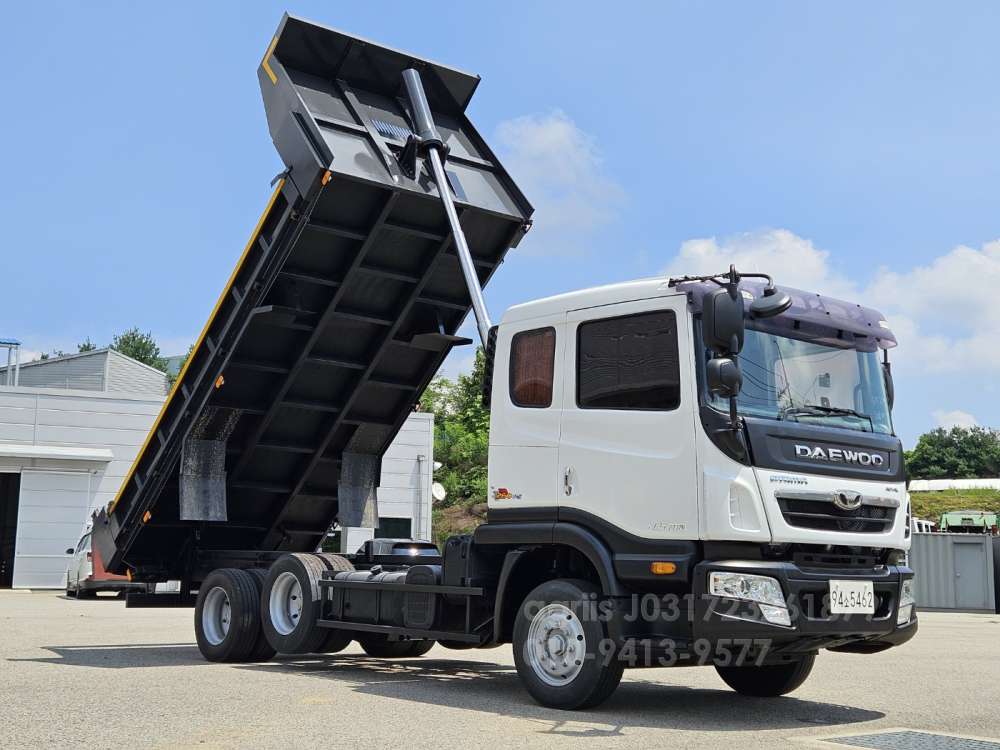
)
(792, 260)
(955, 418)
(560, 170)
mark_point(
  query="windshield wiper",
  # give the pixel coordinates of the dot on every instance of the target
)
(818, 410)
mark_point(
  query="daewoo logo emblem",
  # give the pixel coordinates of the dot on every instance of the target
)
(839, 455)
(847, 500)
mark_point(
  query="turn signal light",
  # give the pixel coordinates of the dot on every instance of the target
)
(662, 568)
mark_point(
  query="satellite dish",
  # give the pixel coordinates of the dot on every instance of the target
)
(437, 465)
(438, 491)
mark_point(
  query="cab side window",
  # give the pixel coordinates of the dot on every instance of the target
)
(629, 362)
(532, 363)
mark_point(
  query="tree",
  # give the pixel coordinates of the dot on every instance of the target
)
(86, 345)
(958, 453)
(461, 434)
(139, 346)
(172, 376)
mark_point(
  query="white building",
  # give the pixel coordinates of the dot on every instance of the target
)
(70, 430)
(68, 433)
(404, 492)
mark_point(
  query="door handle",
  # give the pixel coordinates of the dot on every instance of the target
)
(567, 481)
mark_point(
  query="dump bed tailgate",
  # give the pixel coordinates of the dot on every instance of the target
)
(342, 307)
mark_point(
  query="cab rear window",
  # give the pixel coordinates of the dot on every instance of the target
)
(532, 364)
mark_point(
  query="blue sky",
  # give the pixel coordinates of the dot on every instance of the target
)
(851, 148)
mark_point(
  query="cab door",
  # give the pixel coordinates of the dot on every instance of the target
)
(627, 449)
(524, 416)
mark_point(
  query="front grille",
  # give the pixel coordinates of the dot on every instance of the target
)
(850, 559)
(825, 516)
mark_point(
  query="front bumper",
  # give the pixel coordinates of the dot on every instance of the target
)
(806, 593)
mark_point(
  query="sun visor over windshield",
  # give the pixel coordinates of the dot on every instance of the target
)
(825, 320)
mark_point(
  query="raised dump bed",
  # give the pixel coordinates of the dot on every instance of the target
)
(342, 307)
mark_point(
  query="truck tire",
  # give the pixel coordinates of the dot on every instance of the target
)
(769, 680)
(337, 563)
(336, 640)
(262, 650)
(381, 647)
(557, 646)
(290, 604)
(227, 615)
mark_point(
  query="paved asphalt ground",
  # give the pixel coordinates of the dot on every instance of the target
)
(93, 674)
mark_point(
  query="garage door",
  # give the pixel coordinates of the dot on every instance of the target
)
(51, 514)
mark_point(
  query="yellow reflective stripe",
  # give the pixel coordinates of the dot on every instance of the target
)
(266, 62)
(198, 343)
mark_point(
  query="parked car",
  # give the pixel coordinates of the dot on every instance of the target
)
(86, 574)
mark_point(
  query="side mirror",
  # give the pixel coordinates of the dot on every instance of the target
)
(722, 319)
(70, 551)
(772, 302)
(890, 389)
(723, 377)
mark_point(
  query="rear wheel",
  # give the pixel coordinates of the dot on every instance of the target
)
(558, 646)
(769, 680)
(381, 647)
(336, 640)
(290, 604)
(262, 650)
(227, 615)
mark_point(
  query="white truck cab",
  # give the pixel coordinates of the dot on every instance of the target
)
(599, 409)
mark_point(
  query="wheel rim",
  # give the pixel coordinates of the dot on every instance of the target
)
(556, 645)
(285, 603)
(216, 615)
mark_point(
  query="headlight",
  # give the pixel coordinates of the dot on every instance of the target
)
(750, 588)
(906, 593)
(775, 615)
(904, 614)
(764, 591)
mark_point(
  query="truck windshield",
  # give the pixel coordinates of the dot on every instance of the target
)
(786, 378)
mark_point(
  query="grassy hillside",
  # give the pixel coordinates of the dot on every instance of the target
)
(930, 505)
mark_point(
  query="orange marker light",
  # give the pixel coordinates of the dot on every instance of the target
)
(147, 515)
(662, 568)
(326, 176)
(219, 382)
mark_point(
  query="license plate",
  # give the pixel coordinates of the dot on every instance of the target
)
(852, 597)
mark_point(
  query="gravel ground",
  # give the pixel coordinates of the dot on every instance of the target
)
(91, 673)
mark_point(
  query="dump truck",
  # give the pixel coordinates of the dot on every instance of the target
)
(682, 471)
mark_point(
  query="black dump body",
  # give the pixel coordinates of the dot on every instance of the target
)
(343, 306)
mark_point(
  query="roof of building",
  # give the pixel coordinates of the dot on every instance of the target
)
(92, 353)
(99, 370)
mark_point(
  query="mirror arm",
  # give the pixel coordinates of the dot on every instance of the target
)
(890, 387)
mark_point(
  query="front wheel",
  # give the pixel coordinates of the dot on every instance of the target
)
(561, 646)
(769, 680)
